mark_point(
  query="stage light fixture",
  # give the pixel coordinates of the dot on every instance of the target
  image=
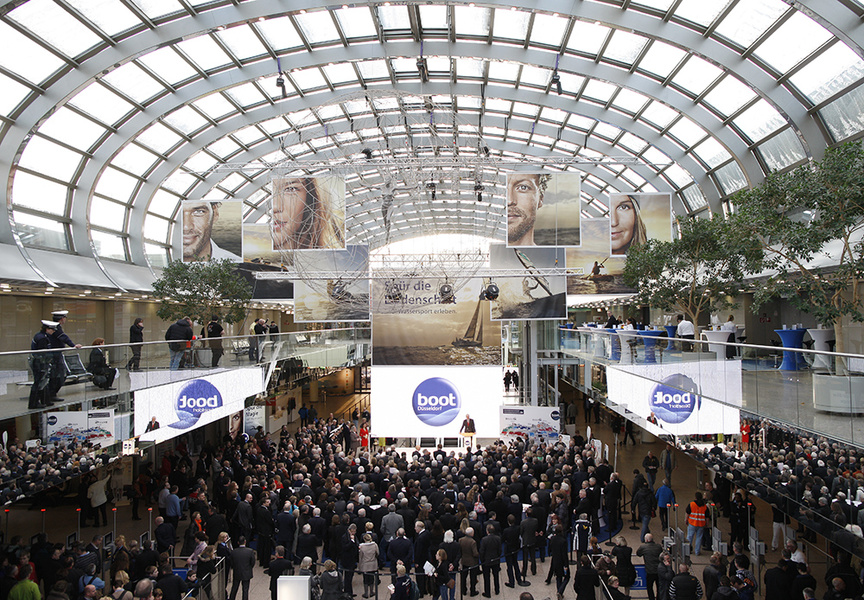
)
(556, 80)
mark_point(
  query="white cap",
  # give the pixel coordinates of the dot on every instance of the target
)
(62, 313)
(51, 324)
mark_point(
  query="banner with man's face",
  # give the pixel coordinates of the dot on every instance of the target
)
(543, 209)
(212, 230)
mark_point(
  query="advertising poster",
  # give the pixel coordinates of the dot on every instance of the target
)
(544, 209)
(212, 230)
(254, 417)
(636, 218)
(183, 405)
(527, 291)
(414, 324)
(95, 427)
(258, 247)
(434, 401)
(695, 398)
(335, 287)
(307, 213)
(235, 424)
(530, 423)
(590, 268)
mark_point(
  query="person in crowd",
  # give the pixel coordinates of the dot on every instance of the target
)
(136, 339)
(59, 340)
(178, 334)
(41, 364)
(650, 552)
(213, 332)
(684, 585)
(103, 374)
(242, 567)
(686, 332)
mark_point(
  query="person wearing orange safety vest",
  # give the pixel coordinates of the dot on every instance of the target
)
(697, 517)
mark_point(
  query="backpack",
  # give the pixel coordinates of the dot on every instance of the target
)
(413, 591)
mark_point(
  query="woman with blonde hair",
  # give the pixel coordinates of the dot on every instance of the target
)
(330, 582)
(626, 225)
(368, 565)
(623, 558)
(307, 213)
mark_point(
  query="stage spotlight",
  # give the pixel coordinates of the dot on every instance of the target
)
(478, 187)
(556, 79)
(447, 293)
(367, 152)
(432, 187)
(280, 83)
(490, 293)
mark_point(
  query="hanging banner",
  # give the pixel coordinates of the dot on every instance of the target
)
(544, 209)
(530, 423)
(212, 230)
(253, 418)
(94, 427)
(590, 268)
(307, 213)
(531, 293)
(333, 285)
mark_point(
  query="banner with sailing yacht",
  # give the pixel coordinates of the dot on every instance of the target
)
(529, 286)
(429, 322)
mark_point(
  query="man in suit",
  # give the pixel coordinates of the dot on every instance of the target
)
(243, 563)
(490, 558)
(468, 427)
(470, 554)
(422, 545)
(264, 528)
(244, 518)
(390, 524)
(278, 567)
(402, 549)
(165, 535)
(348, 558)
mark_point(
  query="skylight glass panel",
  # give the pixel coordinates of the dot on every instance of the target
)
(158, 8)
(242, 42)
(159, 138)
(356, 22)
(224, 147)
(511, 24)
(180, 181)
(654, 158)
(535, 76)
(155, 228)
(403, 66)
(204, 52)
(309, 79)
(624, 47)
(317, 27)
(373, 69)
(46, 157)
(134, 82)
(104, 213)
(794, 40)
(635, 178)
(186, 120)
(662, 5)
(394, 17)
(111, 16)
(469, 67)
(214, 106)
(472, 20)
(610, 132)
(759, 120)
(69, 127)
(498, 105)
(39, 194)
(438, 64)
(555, 115)
(433, 16)
(729, 95)
(629, 101)
(579, 122)
(340, 73)
(711, 152)
(163, 203)
(108, 245)
(749, 20)
(687, 131)
(701, 12)
(54, 25)
(599, 90)
(504, 71)
(168, 65)
(730, 178)
(782, 150)
(245, 95)
(13, 94)
(274, 126)
(677, 175)
(586, 37)
(525, 109)
(135, 159)
(661, 59)
(280, 33)
(694, 198)
(40, 232)
(25, 57)
(548, 29)
(633, 143)
(845, 116)
(464, 102)
(696, 75)
(571, 83)
(117, 185)
(829, 73)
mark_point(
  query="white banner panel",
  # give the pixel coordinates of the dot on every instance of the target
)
(95, 426)
(531, 423)
(683, 397)
(184, 405)
(253, 416)
(433, 401)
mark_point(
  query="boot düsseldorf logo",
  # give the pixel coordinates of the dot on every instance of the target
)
(675, 398)
(436, 402)
(197, 397)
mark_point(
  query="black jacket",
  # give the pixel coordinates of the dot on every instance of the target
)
(490, 550)
(136, 334)
(243, 562)
(181, 330)
(584, 582)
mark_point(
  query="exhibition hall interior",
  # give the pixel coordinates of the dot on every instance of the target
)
(483, 281)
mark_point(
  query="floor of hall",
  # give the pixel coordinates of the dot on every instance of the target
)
(59, 521)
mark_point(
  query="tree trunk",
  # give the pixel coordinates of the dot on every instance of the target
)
(839, 346)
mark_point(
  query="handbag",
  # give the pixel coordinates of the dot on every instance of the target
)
(451, 583)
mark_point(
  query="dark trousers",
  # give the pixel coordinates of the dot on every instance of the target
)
(265, 550)
(422, 583)
(514, 574)
(492, 570)
(135, 361)
(613, 516)
(652, 581)
(687, 343)
(348, 582)
(664, 517)
(216, 354)
(561, 583)
(528, 552)
(469, 572)
(236, 585)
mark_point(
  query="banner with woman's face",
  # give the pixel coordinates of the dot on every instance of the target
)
(636, 218)
(307, 213)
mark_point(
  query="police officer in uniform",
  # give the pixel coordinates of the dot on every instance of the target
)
(59, 339)
(40, 364)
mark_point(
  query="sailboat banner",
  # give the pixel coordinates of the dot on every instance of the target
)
(533, 294)
(432, 322)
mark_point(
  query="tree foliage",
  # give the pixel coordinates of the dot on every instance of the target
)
(800, 219)
(698, 271)
(201, 289)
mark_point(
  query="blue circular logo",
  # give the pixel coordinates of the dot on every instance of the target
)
(197, 397)
(555, 415)
(675, 398)
(436, 402)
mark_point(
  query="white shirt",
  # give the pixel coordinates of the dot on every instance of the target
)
(685, 327)
(728, 326)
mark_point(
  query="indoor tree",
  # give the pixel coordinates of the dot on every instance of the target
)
(808, 223)
(202, 289)
(699, 270)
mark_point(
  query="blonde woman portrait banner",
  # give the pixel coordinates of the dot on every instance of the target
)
(307, 213)
(636, 218)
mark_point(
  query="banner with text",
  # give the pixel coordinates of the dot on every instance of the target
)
(530, 423)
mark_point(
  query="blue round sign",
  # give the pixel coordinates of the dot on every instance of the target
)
(436, 402)
(195, 398)
(675, 398)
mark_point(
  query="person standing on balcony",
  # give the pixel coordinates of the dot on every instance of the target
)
(214, 334)
(686, 332)
(59, 340)
(41, 364)
(136, 337)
